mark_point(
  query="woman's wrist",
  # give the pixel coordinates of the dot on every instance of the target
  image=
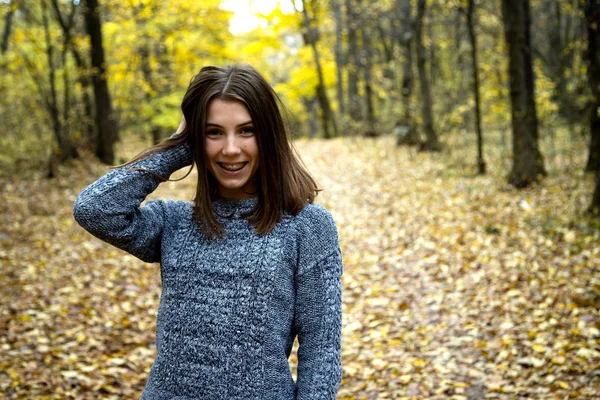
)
(181, 154)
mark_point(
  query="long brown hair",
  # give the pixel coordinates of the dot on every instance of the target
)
(284, 184)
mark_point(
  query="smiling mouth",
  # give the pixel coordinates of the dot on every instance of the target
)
(232, 167)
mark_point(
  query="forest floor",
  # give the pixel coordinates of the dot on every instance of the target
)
(455, 286)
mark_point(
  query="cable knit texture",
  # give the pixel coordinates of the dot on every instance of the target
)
(230, 308)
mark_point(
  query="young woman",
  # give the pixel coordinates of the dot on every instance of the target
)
(247, 266)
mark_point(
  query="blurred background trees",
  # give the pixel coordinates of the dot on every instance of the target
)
(440, 74)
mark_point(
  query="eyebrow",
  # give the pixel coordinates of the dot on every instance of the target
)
(237, 126)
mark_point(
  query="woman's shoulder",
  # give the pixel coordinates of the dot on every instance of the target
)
(315, 223)
(316, 236)
(315, 214)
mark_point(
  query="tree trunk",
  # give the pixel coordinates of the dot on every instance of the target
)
(592, 14)
(460, 57)
(65, 148)
(475, 69)
(557, 48)
(432, 53)
(107, 126)
(530, 80)
(593, 162)
(66, 89)
(387, 43)
(407, 133)
(326, 113)
(82, 79)
(7, 28)
(387, 38)
(527, 159)
(595, 206)
(431, 143)
(339, 55)
(65, 53)
(327, 116)
(311, 109)
(52, 101)
(146, 51)
(147, 73)
(367, 65)
(354, 66)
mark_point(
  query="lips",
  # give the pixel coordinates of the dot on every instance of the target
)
(232, 167)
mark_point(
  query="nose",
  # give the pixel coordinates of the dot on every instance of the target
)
(231, 146)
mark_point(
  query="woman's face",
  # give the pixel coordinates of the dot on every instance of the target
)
(231, 148)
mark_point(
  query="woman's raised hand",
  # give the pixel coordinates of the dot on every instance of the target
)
(181, 125)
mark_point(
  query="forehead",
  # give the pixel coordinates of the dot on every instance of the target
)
(227, 110)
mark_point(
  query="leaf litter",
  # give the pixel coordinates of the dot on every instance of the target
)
(455, 286)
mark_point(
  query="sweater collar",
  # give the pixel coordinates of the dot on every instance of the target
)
(229, 208)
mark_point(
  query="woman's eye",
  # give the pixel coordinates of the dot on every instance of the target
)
(247, 131)
(212, 132)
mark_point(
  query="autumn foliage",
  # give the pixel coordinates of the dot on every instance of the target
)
(455, 285)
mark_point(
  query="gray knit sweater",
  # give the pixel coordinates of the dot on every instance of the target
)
(230, 308)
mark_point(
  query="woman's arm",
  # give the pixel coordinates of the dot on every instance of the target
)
(110, 207)
(318, 315)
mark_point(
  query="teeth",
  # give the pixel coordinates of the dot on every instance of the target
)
(233, 167)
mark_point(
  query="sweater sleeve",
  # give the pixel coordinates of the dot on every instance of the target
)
(318, 313)
(111, 210)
